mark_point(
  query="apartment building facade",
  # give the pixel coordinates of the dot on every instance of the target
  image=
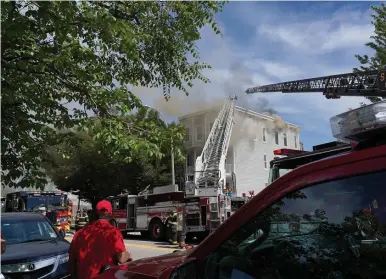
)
(254, 137)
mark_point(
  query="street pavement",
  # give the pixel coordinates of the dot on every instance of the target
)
(140, 247)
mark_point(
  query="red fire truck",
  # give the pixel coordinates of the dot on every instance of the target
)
(147, 213)
(49, 203)
(289, 159)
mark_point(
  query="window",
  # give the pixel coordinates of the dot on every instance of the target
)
(115, 204)
(199, 134)
(296, 141)
(265, 162)
(334, 229)
(187, 134)
(189, 160)
(277, 138)
(285, 139)
(264, 135)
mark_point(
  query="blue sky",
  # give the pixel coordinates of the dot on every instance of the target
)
(267, 42)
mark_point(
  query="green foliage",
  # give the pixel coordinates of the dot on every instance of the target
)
(378, 44)
(88, 53)
(97, 175)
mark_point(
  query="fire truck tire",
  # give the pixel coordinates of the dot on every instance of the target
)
(156, 230)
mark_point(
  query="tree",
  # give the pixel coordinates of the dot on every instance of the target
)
(87, 53)
(378, 44)
(97, 175)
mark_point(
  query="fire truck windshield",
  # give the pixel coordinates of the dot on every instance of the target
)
(40, 202)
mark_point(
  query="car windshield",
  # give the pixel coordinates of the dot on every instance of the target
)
(24, 230)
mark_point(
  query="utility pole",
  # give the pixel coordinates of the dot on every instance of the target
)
(172, 159)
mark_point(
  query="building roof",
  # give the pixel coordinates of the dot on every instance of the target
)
(239, 109)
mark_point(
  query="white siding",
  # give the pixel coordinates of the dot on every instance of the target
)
(247, 148)
(250, 149)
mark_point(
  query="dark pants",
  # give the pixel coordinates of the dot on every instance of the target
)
(172, 233)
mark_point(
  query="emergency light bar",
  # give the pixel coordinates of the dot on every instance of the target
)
(287, 151)
(361, 124)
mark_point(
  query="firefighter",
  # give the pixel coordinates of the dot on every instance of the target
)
(171, 226)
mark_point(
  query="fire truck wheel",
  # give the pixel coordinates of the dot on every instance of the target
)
(156, 230)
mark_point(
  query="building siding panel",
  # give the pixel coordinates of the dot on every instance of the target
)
(247, 148)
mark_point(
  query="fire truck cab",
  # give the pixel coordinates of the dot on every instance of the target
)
(54, 205)
(287, 159)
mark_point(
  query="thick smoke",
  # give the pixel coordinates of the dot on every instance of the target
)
(201, 97)
(242, 78)
(246, 127)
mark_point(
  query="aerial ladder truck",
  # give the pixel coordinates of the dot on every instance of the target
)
(366, 84)
(210, 181)
(201, 207)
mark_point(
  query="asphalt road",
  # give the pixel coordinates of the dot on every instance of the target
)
(140, 247)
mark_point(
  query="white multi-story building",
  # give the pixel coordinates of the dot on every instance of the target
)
(254, 137)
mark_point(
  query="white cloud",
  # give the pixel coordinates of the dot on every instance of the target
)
(321, 36)
(284, 46)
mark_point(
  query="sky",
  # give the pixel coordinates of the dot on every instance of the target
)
(269, 42)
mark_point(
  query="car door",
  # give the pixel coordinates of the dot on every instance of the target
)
(327, 220)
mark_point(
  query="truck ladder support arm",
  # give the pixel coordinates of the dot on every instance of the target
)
(367, 84)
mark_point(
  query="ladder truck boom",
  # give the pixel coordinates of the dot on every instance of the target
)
(366, 84)
(210, 179)
(210, 174)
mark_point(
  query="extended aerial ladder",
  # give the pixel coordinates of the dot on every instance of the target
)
(366, 84)
(210, 174)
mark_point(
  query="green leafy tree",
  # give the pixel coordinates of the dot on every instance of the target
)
(89, 53)
(378, 44)
(97, 175)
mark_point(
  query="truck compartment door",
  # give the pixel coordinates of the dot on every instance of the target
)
(131, 213)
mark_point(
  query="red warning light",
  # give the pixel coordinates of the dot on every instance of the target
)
(287, 151)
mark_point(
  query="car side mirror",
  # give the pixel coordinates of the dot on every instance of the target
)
(186, 270)
(62, 233)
